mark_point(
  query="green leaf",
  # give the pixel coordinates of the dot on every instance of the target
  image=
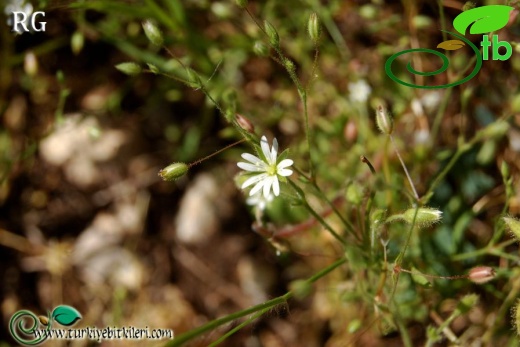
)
(65, 315)
(420, 279)
(485, 19)
(451, 45)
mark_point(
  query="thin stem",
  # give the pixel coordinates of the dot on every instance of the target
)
(239, 327)
(345, 222)
(404, 168)
(187, 336)
(455, 277)
(303, 200)
(215, 153)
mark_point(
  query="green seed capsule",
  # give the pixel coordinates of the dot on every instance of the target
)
(384, 121)
(129, 68)
(514, 226)
(274, 39)
(314, 28)
(173, 171)
(153, 33)
(426, 216)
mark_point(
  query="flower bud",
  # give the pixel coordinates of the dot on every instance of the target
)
(467, 303)
(289, 65)
(481, 274)
(426, 216)
(153, 69)
(350, 132)
(314, 28)
(241, 3)
(271, 32)
(260, 49)
(513, 226)
(129, 68)
(30, 63)
(245, 123)
(300, 288)
(384, 121)
(504, 170)
(193, 78)
(76, 42)
(173, 171)
(153, 33)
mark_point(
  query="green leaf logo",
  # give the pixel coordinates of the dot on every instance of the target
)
(485, 19)
(66, 315)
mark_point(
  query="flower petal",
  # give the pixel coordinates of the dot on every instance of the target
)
(265, 148)
(284, 172)
(250, 167)
(252, 180)
(284, 163)
(251, 158)
(274, 151)
(276, 186)
(257, 188)
(267, 185)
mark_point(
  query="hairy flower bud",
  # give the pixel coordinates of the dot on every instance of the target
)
(514, 226)
(426, 216)
(245, 123)
(384, 121)
(314, 28)
(153, 33)
(481, 274)
(271, 32)
(173, 171)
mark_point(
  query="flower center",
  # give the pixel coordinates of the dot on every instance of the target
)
(271, 170)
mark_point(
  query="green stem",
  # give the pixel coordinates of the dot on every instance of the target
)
(346, 223)
(316, 215)
(404, 168)
(187, 336)
(239, 327)
(460, 151)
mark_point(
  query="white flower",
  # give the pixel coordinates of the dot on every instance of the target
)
(359, 91)
(259, 200)
(265, 172)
